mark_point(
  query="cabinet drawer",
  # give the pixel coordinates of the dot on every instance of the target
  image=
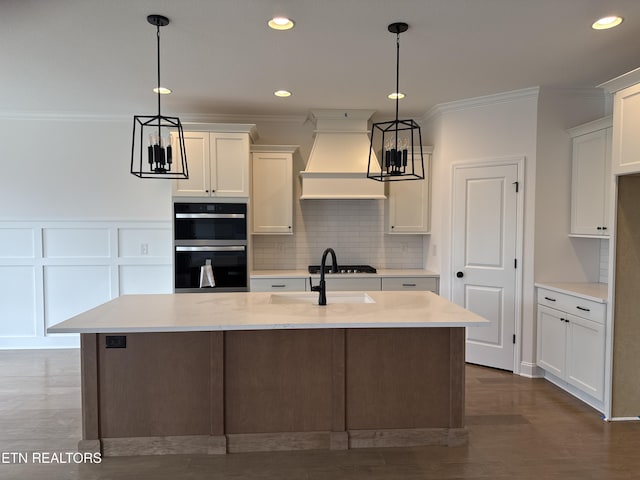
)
(574, 305)
(277, 284)
(410, 283)
(336, 284)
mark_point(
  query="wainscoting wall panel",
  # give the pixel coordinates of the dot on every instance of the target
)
(17, 243)
(73, 289)
(17, 300)
(75, 242)
(142, 279)
(50, 271)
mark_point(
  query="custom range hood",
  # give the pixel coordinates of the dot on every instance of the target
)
(337, 166)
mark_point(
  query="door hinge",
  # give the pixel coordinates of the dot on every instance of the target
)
(517, 184)
(514, 338)
(515, 263)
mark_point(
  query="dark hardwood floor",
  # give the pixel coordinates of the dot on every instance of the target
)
(519, 428)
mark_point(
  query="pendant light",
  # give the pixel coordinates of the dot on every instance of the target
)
(396, 146)
(152, 152)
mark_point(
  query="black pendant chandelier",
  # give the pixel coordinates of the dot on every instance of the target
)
(396, 146)
(152, 153)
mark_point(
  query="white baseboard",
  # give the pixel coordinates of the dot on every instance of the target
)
(27, 343)
(530, 370)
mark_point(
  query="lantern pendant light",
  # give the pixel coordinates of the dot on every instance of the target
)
(396, 146)
(152, 152)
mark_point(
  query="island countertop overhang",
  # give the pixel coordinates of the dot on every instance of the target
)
(191, 312)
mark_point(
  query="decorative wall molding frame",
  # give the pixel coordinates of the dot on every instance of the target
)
(52, 270)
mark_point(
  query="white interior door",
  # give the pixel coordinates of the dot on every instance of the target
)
(484, 258)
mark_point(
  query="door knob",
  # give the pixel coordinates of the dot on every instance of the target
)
(459, 274)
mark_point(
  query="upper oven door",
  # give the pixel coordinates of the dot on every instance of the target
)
(210, 221)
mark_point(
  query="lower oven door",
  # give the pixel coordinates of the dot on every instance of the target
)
(228, 263)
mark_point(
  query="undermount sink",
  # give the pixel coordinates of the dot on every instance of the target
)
(312, 297)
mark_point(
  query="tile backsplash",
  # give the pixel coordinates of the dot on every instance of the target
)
(353, 228)
(604, 261)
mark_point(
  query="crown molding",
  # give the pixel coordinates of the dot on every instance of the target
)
(599, 124)
(184, 118)
(486, 100)
(63, 116)
(244, 118)
(623, 81)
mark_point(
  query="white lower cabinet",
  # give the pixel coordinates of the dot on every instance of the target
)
(342, 284)
(572, 347)
(585, 355)
(423, 284)
(277, 284)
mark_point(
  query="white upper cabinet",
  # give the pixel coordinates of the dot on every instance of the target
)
(272, 189)
(626, 144)
(408, 204)
(591, 167)
(626, 119)
(196, 145)
(218, 164)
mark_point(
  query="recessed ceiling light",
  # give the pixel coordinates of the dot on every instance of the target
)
(161, 90)
(394, 95)
(281, 23)
(607, 22)
(282, 93)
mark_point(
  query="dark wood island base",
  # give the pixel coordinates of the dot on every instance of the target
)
(236, 391)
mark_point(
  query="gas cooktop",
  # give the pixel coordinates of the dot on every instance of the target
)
(344, 269)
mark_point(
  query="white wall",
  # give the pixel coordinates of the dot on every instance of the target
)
(72, 221)
(64, 168)
(474, 131)
(559, 258)
(354, 228)
(530, 123)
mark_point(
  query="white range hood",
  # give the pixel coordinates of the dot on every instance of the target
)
(337, 166)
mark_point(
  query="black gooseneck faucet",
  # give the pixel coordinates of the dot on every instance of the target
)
(322, 288)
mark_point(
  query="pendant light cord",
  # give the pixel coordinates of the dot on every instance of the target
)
(397, 72)
(397, 84)
(158, 37)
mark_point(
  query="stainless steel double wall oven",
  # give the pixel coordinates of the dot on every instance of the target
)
(210, 234)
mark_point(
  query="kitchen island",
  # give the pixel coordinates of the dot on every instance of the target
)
(231, 372)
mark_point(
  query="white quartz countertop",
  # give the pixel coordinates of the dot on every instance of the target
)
(381, 272)
(264, 311)
(596, 292)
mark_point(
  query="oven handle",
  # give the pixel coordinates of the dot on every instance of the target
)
(230, 248)
(209, 215)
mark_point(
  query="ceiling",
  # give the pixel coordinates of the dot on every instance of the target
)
(219, 57)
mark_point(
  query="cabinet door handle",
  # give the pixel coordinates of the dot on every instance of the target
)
(598, 228)
(604, 228)
(583, 309)
(408, 284)
(550, 299)
(278, 286)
